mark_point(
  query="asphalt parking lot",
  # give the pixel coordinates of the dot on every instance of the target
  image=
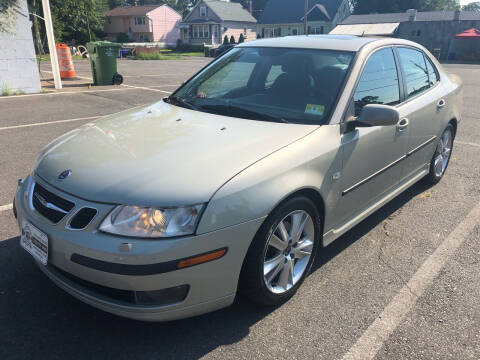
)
(403, 284)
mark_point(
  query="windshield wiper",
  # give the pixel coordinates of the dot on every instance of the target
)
(232, 110)
(175, 100)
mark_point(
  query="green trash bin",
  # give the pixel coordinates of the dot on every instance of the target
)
(103, 60)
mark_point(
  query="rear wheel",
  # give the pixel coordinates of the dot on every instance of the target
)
(282, 253)
(441, 157)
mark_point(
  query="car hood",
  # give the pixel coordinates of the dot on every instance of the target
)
(160, 155)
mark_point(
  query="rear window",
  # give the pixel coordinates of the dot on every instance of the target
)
(432, 72)
(415, 70)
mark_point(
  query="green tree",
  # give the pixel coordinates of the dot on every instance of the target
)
(474, 6)
(241, 39)
(386, 6)
(225, 39)
(78, 21)
(232, 39)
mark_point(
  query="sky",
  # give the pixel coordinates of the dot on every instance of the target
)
(465, 2)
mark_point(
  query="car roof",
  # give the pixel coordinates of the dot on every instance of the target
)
(327, 42)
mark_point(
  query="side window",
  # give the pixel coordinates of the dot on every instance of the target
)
(379, 81)
(432, 73)
(415, 70)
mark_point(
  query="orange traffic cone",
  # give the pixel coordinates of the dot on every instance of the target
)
(65, 61)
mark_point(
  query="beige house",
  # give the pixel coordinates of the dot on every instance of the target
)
(210, 20)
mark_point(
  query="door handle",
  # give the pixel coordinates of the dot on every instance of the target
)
(441, 103)
(402, 124)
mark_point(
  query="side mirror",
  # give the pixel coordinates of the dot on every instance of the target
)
(378, 115)
(374, 115)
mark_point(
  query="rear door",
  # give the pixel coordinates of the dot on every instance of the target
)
(424, 106)
(372, 156)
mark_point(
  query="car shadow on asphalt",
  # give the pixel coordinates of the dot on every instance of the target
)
(364, 227)
(38, 320)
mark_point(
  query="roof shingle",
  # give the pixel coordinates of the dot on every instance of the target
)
(229, 11)
(132, 10)
(404, 17)
(293, 11)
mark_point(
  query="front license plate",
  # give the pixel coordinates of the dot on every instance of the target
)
(35, 242)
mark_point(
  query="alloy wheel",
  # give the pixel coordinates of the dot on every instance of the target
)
(444, 151)
(288, 251)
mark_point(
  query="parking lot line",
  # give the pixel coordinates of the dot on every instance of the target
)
(160, 86)
(49, 122)
(78, 76)
(149, 75)
(467, 143)
(6, 207)
(380, 330)
(64, 93)
(147, 88)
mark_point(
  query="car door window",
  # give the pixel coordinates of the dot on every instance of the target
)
(379, 81)
(432, 73)
(415, 71)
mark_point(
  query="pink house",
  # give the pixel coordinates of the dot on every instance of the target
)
(149, 23)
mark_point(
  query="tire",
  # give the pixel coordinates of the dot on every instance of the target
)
(117, 79)
(441, 156)
(265, 253)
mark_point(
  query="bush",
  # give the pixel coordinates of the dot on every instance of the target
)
(225, 39)
(241, 39)
(188, 47)
(232, 39)
(122, 38)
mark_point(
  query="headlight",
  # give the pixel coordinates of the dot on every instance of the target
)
(151, 222)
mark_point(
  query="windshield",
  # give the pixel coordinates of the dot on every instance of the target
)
(269, 84)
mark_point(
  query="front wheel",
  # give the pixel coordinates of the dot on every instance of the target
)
(282, 252)
(441, 157)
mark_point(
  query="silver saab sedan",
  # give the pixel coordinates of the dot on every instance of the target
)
(233, 183)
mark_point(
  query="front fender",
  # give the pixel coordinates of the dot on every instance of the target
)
(309, 162)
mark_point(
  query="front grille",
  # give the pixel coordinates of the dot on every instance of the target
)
(52, 206)
(82, 218)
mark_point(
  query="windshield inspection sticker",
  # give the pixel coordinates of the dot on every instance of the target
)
(314, 109)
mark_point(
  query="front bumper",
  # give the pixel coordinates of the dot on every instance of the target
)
(211, 285)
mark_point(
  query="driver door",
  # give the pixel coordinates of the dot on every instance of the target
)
(373, 156)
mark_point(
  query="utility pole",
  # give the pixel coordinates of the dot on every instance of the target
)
(51, 44)
(305, 27)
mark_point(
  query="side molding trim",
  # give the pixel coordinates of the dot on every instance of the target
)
(367, 179)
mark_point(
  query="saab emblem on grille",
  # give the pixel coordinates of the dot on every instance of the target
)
(64, 174)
